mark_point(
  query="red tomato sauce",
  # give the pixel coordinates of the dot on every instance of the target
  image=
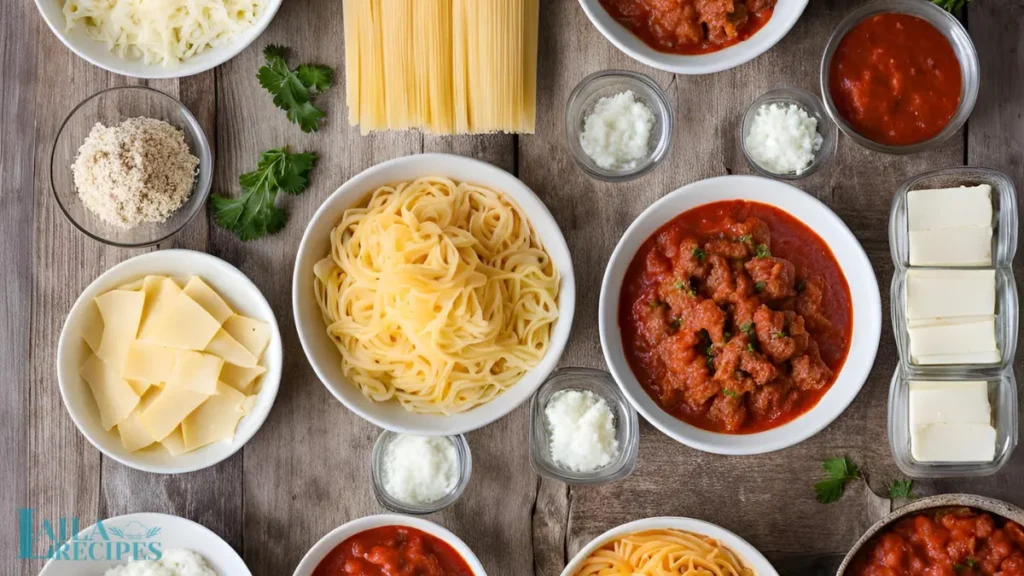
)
(735, 317)
(955, 541)
(896, 79)
(393, 550)
(691, 26)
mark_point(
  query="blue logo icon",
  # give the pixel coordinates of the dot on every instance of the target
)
(107, 540)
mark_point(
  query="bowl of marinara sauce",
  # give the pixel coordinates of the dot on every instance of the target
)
(390, 544)
(899, 76)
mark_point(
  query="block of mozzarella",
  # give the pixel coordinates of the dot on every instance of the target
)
(948, 337)
(949, 402)
(953, 443)
(950, 293)
(961, 207)
(951, 247)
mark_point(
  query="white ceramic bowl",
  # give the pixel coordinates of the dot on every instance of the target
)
(747, 553)
(867, 311)
(145, 529)
(97, 53)
(786, 13)
(237, 290)
(316, 244)
(335, 537)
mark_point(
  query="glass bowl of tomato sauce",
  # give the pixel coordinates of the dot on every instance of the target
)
(899, 76)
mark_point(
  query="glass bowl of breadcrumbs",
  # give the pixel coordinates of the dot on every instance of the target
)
(131, 166)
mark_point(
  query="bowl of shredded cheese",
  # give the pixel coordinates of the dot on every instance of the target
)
(157, 38)
(786, 134)
(130, 166)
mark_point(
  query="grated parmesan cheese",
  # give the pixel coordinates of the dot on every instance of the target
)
(138, 171)
(783, 139)
(617, 132)
(582, 429)
(420, 469)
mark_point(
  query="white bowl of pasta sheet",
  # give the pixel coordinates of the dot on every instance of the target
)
(671, 545)
(89, 28)
(442, 302)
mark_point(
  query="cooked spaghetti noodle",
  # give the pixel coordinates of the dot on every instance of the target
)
(437, 294)
(663, 553)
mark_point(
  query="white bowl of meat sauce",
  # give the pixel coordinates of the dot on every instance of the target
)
(739, 315)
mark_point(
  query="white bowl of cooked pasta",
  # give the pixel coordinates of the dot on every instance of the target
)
(671, 545)
(433, 294)
(134, 38)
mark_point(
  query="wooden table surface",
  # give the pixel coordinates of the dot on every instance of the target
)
(307, 470)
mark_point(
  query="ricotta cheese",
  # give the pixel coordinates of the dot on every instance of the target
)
(582, 430)
(173, 562)
(783, 138)
(617, 132)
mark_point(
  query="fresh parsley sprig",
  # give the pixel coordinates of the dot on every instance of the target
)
(254, 214)
(838, 472)
(952, 6)
(900, 489)
(294, 90)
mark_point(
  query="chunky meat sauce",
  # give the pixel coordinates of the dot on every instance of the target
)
(735, 317)
(950, 542)
(691, 26)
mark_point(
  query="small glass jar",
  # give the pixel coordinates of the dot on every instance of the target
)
(1002, 395)
(609, 83)
(464, 465)
(814, 108)
(627, 429)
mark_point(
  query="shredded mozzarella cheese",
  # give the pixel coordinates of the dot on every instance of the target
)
(783, 139)
(617, 132)
(582, 429)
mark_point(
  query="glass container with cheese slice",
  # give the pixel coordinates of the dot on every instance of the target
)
(952, 402)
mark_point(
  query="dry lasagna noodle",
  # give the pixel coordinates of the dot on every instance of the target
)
(442, 66)
(663, 553)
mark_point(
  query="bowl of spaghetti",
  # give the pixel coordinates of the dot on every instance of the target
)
(433, 294)
(669, 546)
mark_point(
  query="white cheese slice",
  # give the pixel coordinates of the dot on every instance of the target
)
(953, 443)
(114, 397)
(92, 326)
(230, 350)
(251, 333)
(953, 338)
(121, 311)
(921, 322)
(950, 293)
(249, 403)
(949, 207)
(945, 402)
(134, 435)
(991, 357)
(241, 378)
(169, 408)
(160, 292)
(184, 324)
(951, 247)
(139, 386)
(208, 298)
(174, 443)
(196, 371)
(149, 363)
(215, 419)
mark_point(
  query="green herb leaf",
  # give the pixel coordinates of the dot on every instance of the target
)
(952, 6)
(699, 254)
(727, 335)
(294, 90)
(762, 251)
(710, 361)
(900, 489)
(253, 214)
(971, 562)
(779, 334)
(655, 303)
(679, 285)
(760, 286)
(750, 347)
(747, 328)
(728, 392)
(676, 323)
(838, 472)
(745, 238)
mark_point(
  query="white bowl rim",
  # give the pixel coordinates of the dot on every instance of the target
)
(201, 530)
(726, 538)
(737, 54)
(159, 71)
(271, 379)
(335, 537)
(867, 317)
(353, 191)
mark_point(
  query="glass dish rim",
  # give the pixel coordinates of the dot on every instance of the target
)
(624, 465)
(826, 128)
(204, 151)
(946, 24)
(664, 112)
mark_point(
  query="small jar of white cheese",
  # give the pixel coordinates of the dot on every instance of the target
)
(787, 134)
(419, 474)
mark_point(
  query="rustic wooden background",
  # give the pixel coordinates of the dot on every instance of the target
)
(307, 470)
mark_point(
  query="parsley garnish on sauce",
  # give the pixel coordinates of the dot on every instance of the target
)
(253, 214)
(745, 238)
(728, 392)
(760, 286)
(294, 90)
(900, 489)
(747, 328)
(699, 254)
(838, 472)
(762, 251)
(676, 323)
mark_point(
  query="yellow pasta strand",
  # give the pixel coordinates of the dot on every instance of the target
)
(663, 553)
